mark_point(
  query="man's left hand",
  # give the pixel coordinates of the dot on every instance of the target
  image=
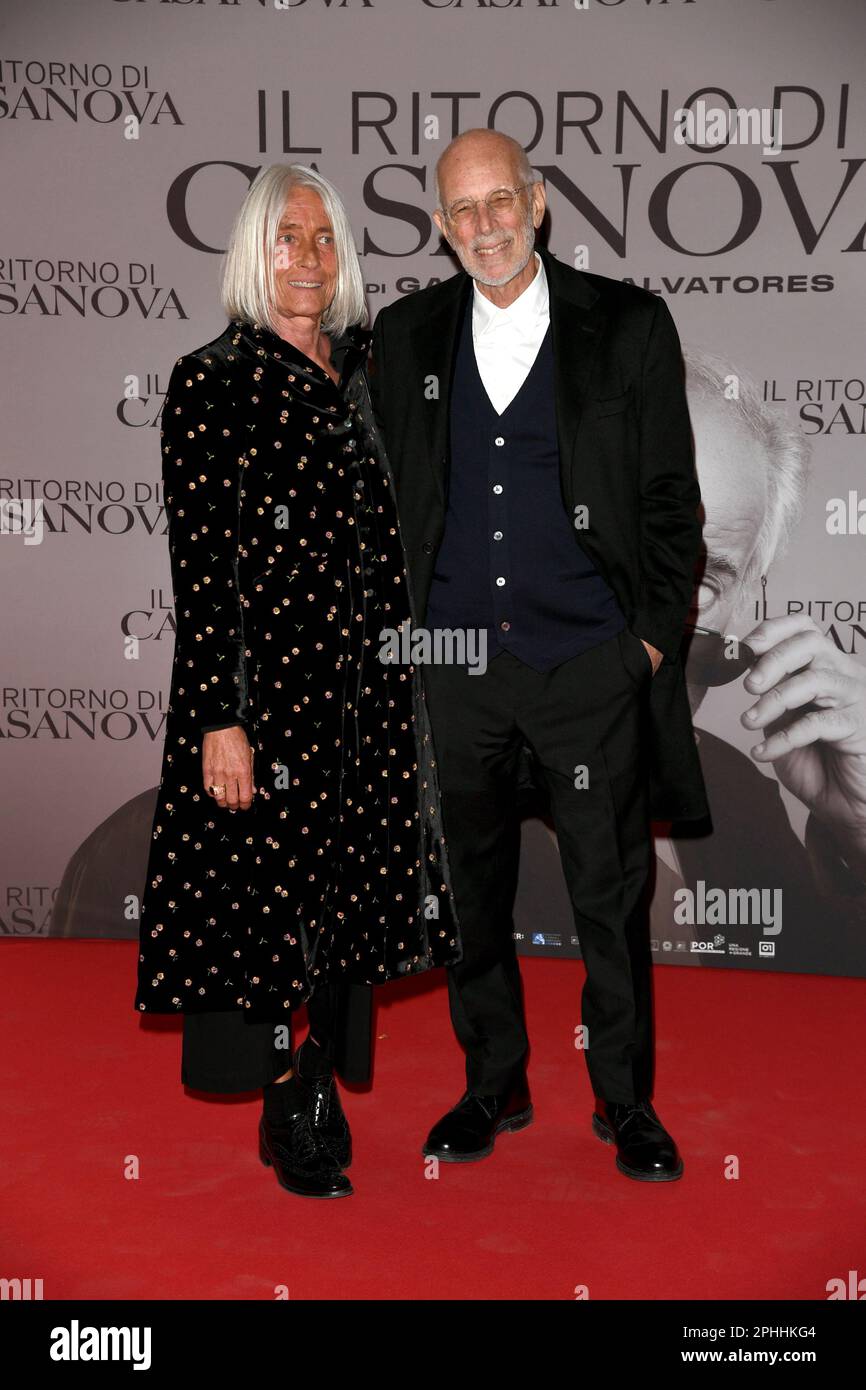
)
(655, 656)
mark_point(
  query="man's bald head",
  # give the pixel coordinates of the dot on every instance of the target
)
(474, 149)
(493, 241)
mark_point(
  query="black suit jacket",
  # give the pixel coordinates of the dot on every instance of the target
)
(625, 450)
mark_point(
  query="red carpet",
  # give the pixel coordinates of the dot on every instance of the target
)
(767, 1068)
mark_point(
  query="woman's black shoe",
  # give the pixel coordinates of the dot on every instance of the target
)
(289, 1144)
(325, 1113)
(301, 1164)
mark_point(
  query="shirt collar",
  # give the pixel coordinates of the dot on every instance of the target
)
(530, 305)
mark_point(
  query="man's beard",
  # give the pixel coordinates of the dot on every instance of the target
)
(525, 233)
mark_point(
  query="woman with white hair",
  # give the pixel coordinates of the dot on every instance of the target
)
(297, 854)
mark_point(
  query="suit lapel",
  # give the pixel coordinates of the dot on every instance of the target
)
(576, 321)
(435, 342)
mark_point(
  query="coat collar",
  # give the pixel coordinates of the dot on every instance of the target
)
(577, 320)
(347, 350)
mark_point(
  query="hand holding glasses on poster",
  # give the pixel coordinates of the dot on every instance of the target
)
(809, 714)
(810, 675)
(716, 658)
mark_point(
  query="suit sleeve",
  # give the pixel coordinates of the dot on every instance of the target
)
(670, 528)
(201, 471)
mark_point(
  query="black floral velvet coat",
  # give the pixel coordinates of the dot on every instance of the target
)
(287, 565)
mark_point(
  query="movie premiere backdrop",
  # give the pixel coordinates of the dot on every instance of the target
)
(130, 131)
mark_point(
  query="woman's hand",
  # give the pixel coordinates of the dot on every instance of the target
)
(227, 764)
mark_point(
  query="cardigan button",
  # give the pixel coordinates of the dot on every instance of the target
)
(427, 547)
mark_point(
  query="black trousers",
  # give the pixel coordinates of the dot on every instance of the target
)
(223, 1052)
(586, 723)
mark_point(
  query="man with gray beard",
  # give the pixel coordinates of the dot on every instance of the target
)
(536, 424)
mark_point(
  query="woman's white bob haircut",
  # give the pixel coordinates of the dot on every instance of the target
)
(248, 287)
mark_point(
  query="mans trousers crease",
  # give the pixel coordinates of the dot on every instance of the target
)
(586, 723)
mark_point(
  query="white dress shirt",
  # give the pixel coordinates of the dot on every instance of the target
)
(507, 340)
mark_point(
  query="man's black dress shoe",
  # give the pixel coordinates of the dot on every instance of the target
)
(469, 1130)
(645, 1150)
(298, 1157)
(326, 1114)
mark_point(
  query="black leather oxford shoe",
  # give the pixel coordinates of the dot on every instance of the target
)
(326, 1114)
(301, 1163)
(644, 1149)
(469, 1130)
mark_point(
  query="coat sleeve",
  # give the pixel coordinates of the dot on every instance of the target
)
(670, 528)
(376, 374)
(201, 471)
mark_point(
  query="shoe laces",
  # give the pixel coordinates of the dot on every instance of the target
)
(633, 1111)
(487, 1103)
(321, 1104)
(304, 1143)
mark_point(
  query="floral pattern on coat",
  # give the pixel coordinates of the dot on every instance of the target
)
(287, 565)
